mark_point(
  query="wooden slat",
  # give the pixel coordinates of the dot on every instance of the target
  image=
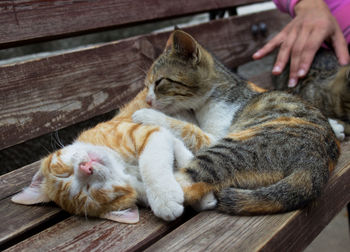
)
(79, 234)
(32, 19)
(43, 95)
(293, 231)
(18, 219)
(15, 181)
(207, 231)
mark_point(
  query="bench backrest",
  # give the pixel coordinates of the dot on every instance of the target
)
(47, 94)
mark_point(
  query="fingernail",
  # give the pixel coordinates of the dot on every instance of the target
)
(343, 62)
(301, 73)
(292, 82)
(257, 54)
(276, 69)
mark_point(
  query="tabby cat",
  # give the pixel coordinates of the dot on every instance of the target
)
(110, 168)
(326, 86)
(259, 152)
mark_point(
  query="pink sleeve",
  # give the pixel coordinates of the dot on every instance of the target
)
(339, 8)
(286, 6)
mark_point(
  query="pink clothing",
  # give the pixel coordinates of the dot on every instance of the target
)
(339, 8)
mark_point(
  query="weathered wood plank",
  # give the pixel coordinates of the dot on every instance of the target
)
(15, 181)
(293, 231)
(44, 95)
(207, 231)
(31, 19)
(79, 234)
(18, 219)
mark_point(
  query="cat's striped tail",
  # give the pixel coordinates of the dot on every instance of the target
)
(290, 193)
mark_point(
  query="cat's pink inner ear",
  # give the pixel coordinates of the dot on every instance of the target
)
(30, 196)
(33, 194)
(129, 216)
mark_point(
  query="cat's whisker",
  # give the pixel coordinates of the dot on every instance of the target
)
(53, 147)
(59, 142)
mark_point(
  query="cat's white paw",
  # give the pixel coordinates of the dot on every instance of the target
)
(183, 156)
(206, 203)
(337, 128)
(167, 204)
(149, 117)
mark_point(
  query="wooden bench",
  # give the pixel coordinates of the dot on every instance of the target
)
(47, 94)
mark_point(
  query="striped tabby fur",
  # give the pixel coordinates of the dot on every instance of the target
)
(326, 86)
(259, 152)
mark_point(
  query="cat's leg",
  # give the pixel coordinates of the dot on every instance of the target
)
(193, 137)
(164, 193)
(338, 128)
(183, 157)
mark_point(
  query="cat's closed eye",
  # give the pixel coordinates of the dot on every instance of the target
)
(165, 80)
(61, 171)
(157, 82)
(63, 175)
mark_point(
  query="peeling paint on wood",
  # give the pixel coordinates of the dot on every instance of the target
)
(54, 92)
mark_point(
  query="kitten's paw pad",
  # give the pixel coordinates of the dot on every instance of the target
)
(148, 116)
(168, 204)
(337, 128)
(169, 212)
(206, 203)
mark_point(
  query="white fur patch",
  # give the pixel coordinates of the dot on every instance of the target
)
(337, 128)
(206, 203)
(150, 117)
(164, 193)
(182, 155)
(216, 117)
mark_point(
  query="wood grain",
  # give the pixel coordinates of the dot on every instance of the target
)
(44, 95)
(46, 19)
(18, 219)
(293, 231)
(79, 234)
(15, 181)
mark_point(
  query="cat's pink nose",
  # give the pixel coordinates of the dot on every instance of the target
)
(86, 168)
(149, 101)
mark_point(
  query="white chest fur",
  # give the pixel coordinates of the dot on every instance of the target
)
(216, 117)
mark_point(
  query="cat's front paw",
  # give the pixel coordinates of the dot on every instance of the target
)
(167, 204)
(338, 129)
(149, 117)
(206, 203)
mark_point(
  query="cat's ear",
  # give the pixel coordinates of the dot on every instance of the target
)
(182, 44)
(34, 193)
(129, 216)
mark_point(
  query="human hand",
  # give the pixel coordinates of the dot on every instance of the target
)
(302, 37)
